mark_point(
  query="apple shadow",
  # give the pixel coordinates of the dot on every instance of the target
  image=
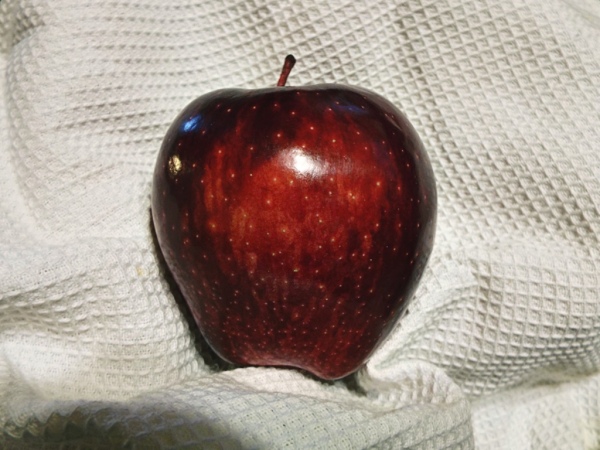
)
(211, 358)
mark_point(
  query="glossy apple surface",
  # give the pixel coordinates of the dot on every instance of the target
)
(297, 222)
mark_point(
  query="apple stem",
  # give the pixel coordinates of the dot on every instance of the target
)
(288, 64)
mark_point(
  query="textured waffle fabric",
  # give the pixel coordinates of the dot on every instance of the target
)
(501, 349)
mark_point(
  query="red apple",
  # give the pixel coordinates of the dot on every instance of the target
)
(296, 221)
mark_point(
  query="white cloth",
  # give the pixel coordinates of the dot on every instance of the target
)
(501, 349)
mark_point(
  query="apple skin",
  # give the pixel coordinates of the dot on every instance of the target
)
(297, 222)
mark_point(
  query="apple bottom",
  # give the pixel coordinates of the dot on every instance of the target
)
(329, 345)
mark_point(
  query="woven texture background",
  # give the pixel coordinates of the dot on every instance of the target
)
(501, 349)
